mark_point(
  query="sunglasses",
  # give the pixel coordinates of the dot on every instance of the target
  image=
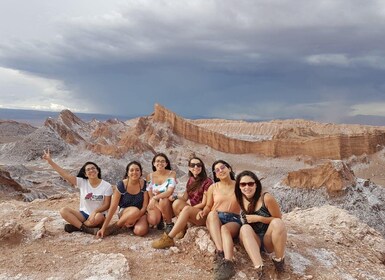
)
(244, 184)
(222, 167)
(192, 165)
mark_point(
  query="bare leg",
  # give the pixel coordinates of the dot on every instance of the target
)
(74, 217)
(129, 217)
(228, 232)
(252, 244)
(166, 209)
(178, 205)
(214, 226)
(188, 214)
(99, 219)
(275, 238)
(154, 216)
(141, 226)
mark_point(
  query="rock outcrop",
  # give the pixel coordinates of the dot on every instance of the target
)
(323, 243)
(293, 141)
(334, 176)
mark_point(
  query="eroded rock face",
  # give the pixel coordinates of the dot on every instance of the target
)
(334, 176)
(290, 141)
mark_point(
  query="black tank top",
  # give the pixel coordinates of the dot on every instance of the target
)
(261, 228)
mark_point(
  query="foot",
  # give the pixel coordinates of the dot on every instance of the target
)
(89, 230)
(164, 242)
(70, 228)
(225, 270)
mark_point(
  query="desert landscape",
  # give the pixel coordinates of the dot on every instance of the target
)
(329, 180)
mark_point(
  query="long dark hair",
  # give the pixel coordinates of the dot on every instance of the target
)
(232, 174)
(239, 195)
(199, 179)
(168, 166)
(128, 168)
(82, 171)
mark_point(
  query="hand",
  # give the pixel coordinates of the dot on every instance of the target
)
(46, 155)
(252, 218)
(100, 233)
(200, 215)
(151, 204)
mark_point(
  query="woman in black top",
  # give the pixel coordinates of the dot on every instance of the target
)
(262, 227)
(131, 196)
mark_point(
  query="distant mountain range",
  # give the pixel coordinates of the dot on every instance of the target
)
(37, 118)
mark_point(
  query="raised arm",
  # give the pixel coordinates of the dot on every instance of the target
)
(65, 174)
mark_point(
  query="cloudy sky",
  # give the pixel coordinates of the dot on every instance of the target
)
(247, 59)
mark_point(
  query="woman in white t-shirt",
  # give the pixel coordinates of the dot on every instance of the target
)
(95, 197)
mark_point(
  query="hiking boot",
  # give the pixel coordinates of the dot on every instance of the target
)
(279, 264)
(113, 229)
(89, 230)
(225, 270)
(218, 258)
(70, 228)
(168, 227)
(164, 242)
(259, 272)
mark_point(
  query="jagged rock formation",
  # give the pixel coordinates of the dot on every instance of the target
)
(334, 175)
(8, 187)
(293, 141)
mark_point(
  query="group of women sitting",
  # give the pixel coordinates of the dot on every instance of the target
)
(230, 207)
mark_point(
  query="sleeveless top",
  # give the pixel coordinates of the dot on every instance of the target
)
(127, 199)
(224, 203)
(160, 188)
(258, 227)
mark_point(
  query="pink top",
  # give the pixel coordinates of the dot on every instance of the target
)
(224, 202)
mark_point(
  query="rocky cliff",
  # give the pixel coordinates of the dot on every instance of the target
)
(290, 141)
(334, 176)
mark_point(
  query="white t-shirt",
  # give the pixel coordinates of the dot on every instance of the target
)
(92, 198)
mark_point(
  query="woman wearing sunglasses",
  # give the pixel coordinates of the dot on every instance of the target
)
(95, 197)
(188, 206)
(223, 220)
(262, 227)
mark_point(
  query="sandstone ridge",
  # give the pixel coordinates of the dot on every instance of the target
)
(295, 141)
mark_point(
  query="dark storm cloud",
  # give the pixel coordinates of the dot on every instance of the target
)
(248, 59)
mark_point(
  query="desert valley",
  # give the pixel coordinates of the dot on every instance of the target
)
(329, 180)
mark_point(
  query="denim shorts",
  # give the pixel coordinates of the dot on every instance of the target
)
(85, 215)
(226, 217)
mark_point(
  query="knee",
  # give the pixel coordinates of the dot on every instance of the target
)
(245, 231)
(211, 216)
(278, 226)
(120, 223)
(152, 220)
(64, 211)
(140, 230)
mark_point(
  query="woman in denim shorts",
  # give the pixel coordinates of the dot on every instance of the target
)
(262, 227)
(223, 220)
